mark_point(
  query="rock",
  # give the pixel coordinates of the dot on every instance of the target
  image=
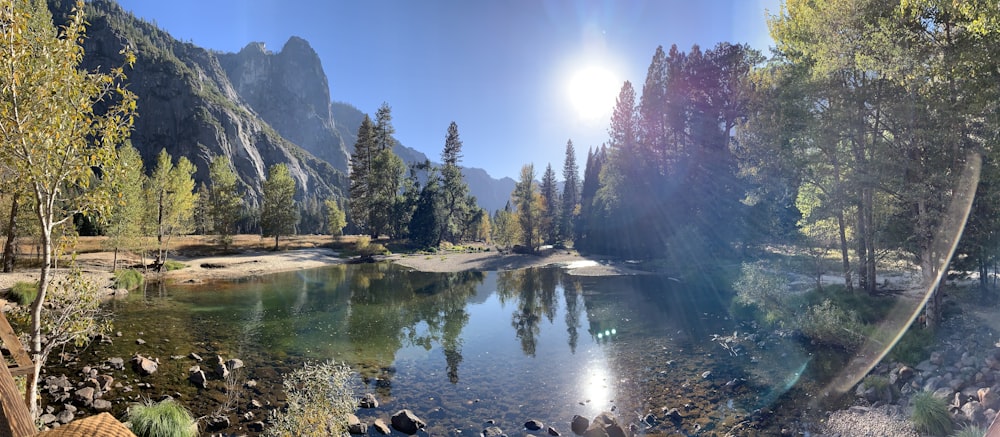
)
(355, 426)
(194, 356)
(615, 430)
(255, 404)
(144, 366)
(257, 426)
(936, 358)
(381, 427)
(943, 393)
(706, 374)
(533, 425)
(65, 416)
(140, 341)
(116, 363)
(234, 363)
(105, 382)
(974, 412)
(596, 429)
(85, 395)
(198, 378)
(906, 373)
(579, 424)
(217, 423)
(552, 432)
(493, 431)
(368, 401)
(674, 414)
(102, 405)
(406, 422)
(47, 418)
(926, 367)
(605, 419)
(220, 367)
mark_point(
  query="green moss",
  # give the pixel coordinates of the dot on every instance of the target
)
(930, 414)
(129, 279)
(24, 292)
(163, 419)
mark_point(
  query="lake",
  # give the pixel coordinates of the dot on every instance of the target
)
(460, 349)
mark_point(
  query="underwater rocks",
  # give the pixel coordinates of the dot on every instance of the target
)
(406, 422)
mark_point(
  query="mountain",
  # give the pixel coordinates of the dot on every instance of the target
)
(491, 194)
(188, 105)
(289, 91)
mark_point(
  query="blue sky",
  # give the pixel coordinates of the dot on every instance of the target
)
(500, 69)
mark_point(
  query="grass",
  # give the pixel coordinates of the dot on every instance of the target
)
(173, 265)
(129, 279)
(970, 431)
(930, 414)
(24, 292)
(913, 347)
(163, 419)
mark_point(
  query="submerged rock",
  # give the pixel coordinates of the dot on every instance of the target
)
(406, 422)
(368, 401)
(493, 431)
(579, 424)
(356, 426)
(381, 427)
(534, 425)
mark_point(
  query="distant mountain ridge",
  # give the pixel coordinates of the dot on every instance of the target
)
(255, 106)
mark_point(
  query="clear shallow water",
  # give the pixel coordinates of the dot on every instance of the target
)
(460, 349)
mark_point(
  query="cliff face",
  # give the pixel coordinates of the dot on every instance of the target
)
(188, 106)
(289, 91)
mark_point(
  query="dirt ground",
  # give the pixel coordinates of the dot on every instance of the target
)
(251, 255)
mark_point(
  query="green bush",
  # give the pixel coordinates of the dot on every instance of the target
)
(365, 248)
(318, 402)
(970, 431)
(24, 292)
(759, 287)
(912, 347)
(129, 279)
(163, 419)
(829, 324)
(173, 265)
(930, 414)
(869, 309)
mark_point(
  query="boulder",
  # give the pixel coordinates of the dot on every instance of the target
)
(195, 357)
(553, 432)
(368, 401)
(217, 423)
(381, 427)
(974, 412)
(47, 418)
(234, 363)
(406, 422)
(674, 415)
(144, 366)
(355, 426)
(65, 416)
(906, 373)
(116, 363)
(596, 429)
(579, 424)
(85, 395)
(533, 425)
(102, 405)
(220, 367)
(615, 430)
(105, 382)
(493, 431)
(198, 378)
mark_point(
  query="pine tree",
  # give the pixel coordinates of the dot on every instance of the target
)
(548, 223)
(569, 210)
(278, 215)
(361, 190)
(528, 207)
(425, 227)
(453, 187)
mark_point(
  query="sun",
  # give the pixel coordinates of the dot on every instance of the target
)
(592, 91)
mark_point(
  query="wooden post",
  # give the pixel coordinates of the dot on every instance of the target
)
(16, 418)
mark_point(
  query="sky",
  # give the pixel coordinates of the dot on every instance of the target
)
(519, 77)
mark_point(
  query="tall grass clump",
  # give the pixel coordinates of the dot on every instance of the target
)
(318, 402)
(162, 419)
(129, 279)
(24, 292)
(970, 431)
(930, 414)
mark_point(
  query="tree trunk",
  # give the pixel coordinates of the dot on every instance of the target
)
(11, 246)
(36, 316)
(275, 242)
(845, 251)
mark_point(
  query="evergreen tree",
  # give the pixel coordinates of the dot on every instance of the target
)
(569, 210)
(278, 215)
(425, 227)
(202, 211)
(225, 200)
(529, 207)
(385, 177)
(361, 190)
(453, 187)
(548, 218)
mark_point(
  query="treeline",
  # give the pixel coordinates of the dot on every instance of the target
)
(856, 135)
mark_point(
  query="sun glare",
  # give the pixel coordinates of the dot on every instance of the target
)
(592, 91)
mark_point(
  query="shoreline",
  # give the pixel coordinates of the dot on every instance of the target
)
(96, 266)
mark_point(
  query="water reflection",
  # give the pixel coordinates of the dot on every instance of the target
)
(471, 346)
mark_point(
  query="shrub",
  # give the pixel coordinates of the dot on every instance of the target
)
(163, 419)
(24, 292)
(912, 347)
(930, 414)
(318, 402)
(759, 287)
(129, 279)
(365, 248)
(173, 265)
(829, 324)
(970, 431)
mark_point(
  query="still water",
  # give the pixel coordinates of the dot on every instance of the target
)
(460, 349)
